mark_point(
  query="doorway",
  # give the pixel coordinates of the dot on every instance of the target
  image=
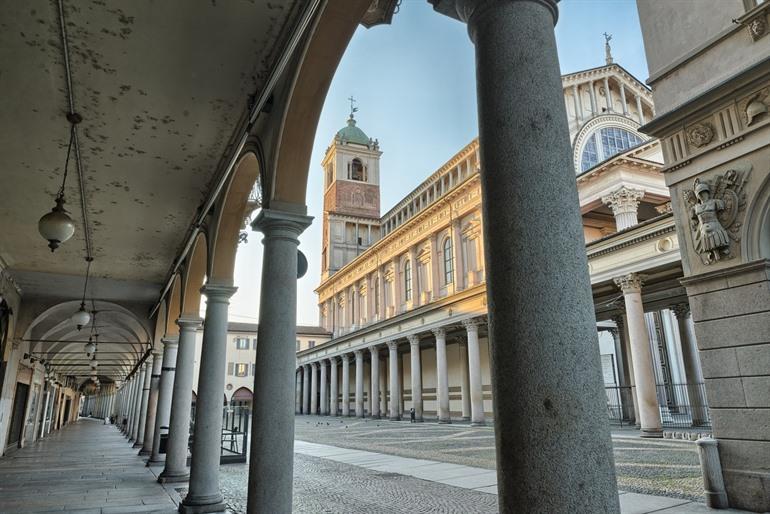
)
(17, 415)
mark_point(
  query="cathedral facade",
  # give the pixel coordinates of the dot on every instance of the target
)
(404, 293)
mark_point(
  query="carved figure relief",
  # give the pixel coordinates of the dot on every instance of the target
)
(757, 26)
(700, 134)
(754, 106)
(714, 208)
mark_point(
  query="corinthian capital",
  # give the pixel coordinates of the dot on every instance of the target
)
(623, 200)
(631, 283)
(466, 10)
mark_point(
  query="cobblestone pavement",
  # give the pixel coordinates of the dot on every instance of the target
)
(660, 467)
(324, 486)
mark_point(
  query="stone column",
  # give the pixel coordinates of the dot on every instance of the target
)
(691, 361)
(416, 369)
(306, 389)
(395, 415)
(143, 406)
(624, 204)
(298, 391)
(442, 377)
(271, 468)
(382, 311)
(324, 389)
(626, 395)
(139, 381)
(163, 412)
(465, 383)
(527, 156)
(383, 377)
(345, 384)
(623, 98)
(314, 388)
(646, 394)
(592, 97)
(374, 382)
(474, 372)
(415, 281)
(578, 114)
(152, 403)
(640, 110)
(333, 392)
(203, 494)
(129, 407)
(175, 469)
(359, 383)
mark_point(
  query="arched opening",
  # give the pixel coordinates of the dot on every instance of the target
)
(605, 143)
(194, 276)
(357, 170)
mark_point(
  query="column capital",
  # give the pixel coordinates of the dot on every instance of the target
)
(468, 10)
(619, 321)
(169, 341)
(439, 332)
(359, 354)
(472, 324)
(373, 349)
(414, 340)
(392, 346)
(631, 283)
(681, 310)
(281, 224)
(345, 358)
(218, 292)
(189, 322)
(623, 200)
(313, 365)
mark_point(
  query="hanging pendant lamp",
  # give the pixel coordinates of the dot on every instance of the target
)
(81, 317)
(56, 226)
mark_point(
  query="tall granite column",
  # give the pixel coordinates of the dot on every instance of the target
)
(272, 449)
(139, 379)
(314, 388)
(442, 377)
(465, 381)
(324, 388)
(333, 390)
(374, 382)
(395, 415)
(416, 370)
(130, 406)
(359, 383)
(306, 389)
(152, 402)
(534, 244)
(143, 406)
(691, 360)
(474, 372)
(345, 384)
(646, 394)
(163, 411)
(175, 469)
(298, 391)
(383, 389)
(203, 494)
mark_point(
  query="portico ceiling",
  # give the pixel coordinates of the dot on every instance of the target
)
(161, 87)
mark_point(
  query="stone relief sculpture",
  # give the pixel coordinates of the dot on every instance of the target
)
(700, 134)
(714, 208)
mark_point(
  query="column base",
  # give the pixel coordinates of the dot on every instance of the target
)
(143, 452)
(444, 421)
(138, 445)
(466, 418)
(156, 462)
(478, 423)
(652, 433)
(170, 478)
(201, 505)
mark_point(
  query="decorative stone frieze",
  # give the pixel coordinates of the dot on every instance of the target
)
(757, 26)
(629, 283)
(700, 134)
(754, 106)
(681, 310)
(715, 210)
(664, 208)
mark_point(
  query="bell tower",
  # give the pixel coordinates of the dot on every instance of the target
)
(351, 219)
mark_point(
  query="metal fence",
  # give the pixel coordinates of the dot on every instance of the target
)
(235, 433)
(681, 405)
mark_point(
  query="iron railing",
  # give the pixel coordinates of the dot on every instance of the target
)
(235, 433)
(681, 405)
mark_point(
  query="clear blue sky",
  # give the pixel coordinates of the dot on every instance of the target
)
(414, 83)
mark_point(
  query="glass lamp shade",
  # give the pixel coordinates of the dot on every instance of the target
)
(81, 317)
(56, 226)
(90, 348)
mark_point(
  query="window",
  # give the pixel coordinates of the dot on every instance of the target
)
(614, 140)
(408, 281)
(449, 263)
(357, 171)
(241, 369)
(311, 344)
(230, 368)
(242, 343)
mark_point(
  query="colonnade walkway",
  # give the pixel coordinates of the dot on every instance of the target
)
(84, 467)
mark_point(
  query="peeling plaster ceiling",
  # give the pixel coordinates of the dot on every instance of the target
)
(160, 86)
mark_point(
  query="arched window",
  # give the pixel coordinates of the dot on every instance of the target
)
(357, 171)
(449, 263)
(605, 143)
(408, 281)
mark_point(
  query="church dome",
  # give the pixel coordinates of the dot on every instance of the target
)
(353, 134)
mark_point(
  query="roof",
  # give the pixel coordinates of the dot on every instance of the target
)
(353, 134)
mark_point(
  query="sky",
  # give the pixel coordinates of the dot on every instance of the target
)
(414, 85)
